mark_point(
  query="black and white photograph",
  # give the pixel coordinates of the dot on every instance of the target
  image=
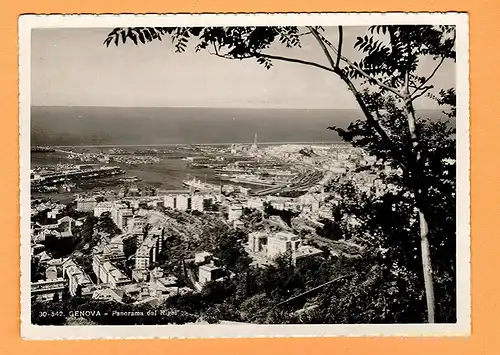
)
(244, 175)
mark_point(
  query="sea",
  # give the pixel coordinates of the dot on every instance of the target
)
(129, 127)
(73, 126)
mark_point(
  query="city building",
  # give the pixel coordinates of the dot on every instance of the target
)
(86, 204)
(282, 242)
(237, 224)
(43, 258)
(183, 202)
(102, 207)
(143, 256)
(180, 202)
(51, 273)
(305, 252)
(209, 272)
(107, 294)
(198, 203)
(273, 245)
(325, 212)
(255, 203)
(136, 224)
(54, 213)
(257, 241)
(169, 201)
(107, 273)
(65, 226)
(45, 290)
(77, 279)
(147, 253)
(120, 214)
(202, 257)
(123, 216)
(234, 212)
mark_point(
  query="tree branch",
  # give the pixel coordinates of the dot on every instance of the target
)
(374, 122)
(358, 69)
(369, 116)
(430, 76)
(315, 289)
(339, 47)
(294, 60)
(370, 78)
(323, 47)
(424, 90)
(276, 57)
(304, 34)
(435, 69)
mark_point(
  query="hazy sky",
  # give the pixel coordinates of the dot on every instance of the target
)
(72, 67)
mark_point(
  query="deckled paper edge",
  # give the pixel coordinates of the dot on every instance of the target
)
(463, 325)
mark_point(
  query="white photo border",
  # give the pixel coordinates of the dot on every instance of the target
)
(463, 325)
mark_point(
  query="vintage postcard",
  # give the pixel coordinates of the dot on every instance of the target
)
(244, 175)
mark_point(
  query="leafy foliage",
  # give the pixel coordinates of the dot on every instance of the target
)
(228, 42)
(414, 155)
(390, 52)
(376, 216)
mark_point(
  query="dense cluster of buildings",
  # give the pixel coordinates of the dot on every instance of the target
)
(60, 229)
(117, 156)
(126, 264)
(66, 173)
(271, 245)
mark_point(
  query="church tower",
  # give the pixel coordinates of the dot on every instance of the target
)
(254, 146)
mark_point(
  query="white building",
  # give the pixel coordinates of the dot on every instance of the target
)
(282, 242)
(237, 224)
(77, 278)
(183, 202)
(234, 212)
(208, 272)
(123, 215)
(202, 257)
(107, 273)
(86, 204)
(257, 241)
(304, 252)
(102, 207)
(148, 251)
(136, 224)
(116, 212)
(197, 203)
(169, 201)
(142, 258)
(325, 212)
(52, 214)
(256, 203)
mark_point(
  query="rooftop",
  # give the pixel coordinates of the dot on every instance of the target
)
(259, 234)
(306, 251)
(203, 254)
(66, 234)
(114, 271)
(209, 267)
(286, 236)
(105, 204)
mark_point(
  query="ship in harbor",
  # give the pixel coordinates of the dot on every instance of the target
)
(129, 179)
(68, 186)
(69, 175)
(198, 185)
(252, 180)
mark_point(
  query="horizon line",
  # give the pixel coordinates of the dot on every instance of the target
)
(184, 144)
(209, 107)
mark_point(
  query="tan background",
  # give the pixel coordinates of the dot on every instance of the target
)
(485, 169)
